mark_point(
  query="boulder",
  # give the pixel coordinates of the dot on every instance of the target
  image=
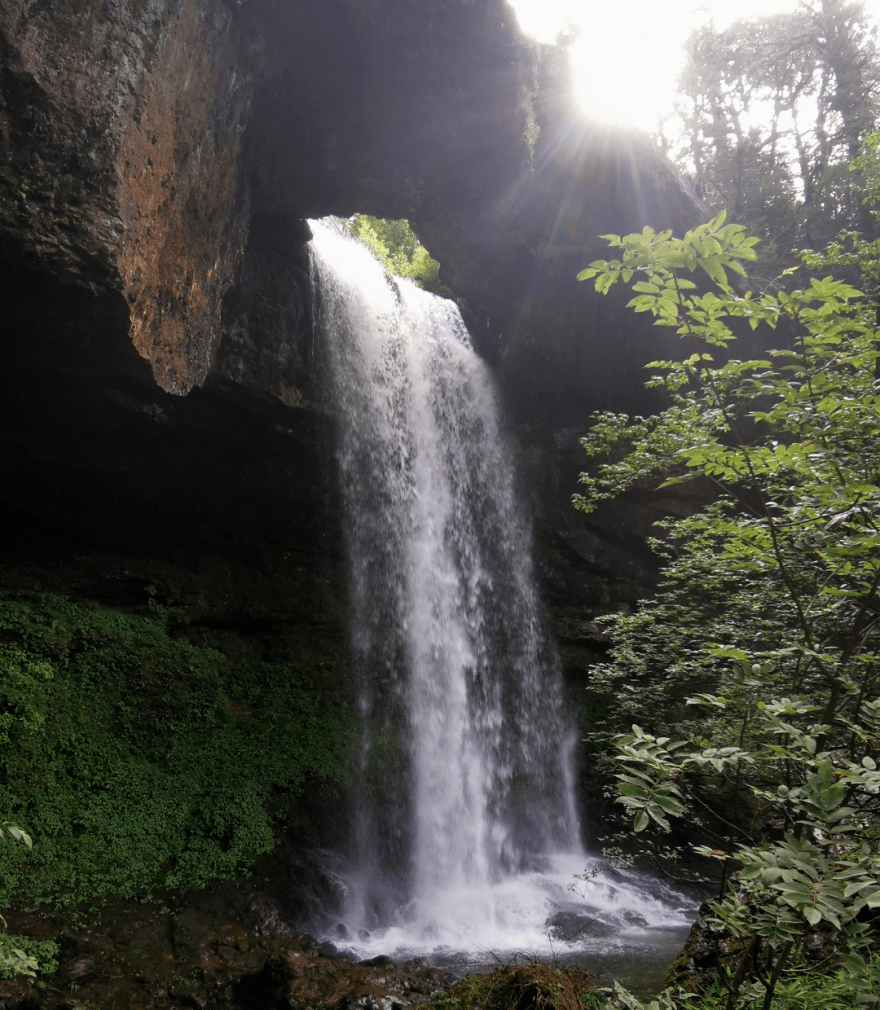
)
(577, 927)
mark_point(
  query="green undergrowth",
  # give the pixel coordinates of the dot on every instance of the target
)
(20, 955)
(534, 986)
(137, 760)
(540, 986)
(813, 991)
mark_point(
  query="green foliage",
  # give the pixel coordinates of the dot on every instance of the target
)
(20, 955)
(802, 991)
(16, 833)
(139, 760)
(765, 634)
(16, 955)
(396, 245)
(532, 986)
(855, 252)
(548, 987)
(663, 1001)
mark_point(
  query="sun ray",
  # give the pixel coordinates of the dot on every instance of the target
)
(626, 58)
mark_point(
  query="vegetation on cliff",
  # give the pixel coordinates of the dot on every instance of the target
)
(396, 245)
(139, 761)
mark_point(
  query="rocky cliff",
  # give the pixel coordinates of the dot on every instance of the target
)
(159, 160)
(164, 436)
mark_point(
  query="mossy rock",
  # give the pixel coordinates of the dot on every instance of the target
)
(535, 986)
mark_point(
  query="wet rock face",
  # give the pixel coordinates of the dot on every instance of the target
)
(138, 135)
(571, 927)
(119, 169)
(158, 159)
(178, 193)
(445, 114)
(268, 345)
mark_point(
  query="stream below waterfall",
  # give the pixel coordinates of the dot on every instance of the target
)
(465, 835)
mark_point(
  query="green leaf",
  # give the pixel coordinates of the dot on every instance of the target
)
(765, 619)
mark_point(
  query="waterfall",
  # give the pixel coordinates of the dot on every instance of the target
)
(464, 789)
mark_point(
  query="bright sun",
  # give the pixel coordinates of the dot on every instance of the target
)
(628, 55)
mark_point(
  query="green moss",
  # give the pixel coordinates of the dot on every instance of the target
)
(534, 986)
(139, 760)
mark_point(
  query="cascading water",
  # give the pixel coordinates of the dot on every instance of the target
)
(466, 801)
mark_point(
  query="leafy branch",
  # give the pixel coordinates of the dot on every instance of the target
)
(767, 624)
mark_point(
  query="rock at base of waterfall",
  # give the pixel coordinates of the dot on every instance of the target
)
(380, 961)
(572, 927)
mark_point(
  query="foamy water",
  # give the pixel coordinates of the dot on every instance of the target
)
(510, 917)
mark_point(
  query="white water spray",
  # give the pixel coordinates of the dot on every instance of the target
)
(466, 798)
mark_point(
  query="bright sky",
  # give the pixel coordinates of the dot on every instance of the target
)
(630, 55)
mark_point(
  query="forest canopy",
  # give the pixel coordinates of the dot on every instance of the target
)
(773, 112)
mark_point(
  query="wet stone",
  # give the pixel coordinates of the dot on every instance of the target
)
(573, 927)
(380, 961)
